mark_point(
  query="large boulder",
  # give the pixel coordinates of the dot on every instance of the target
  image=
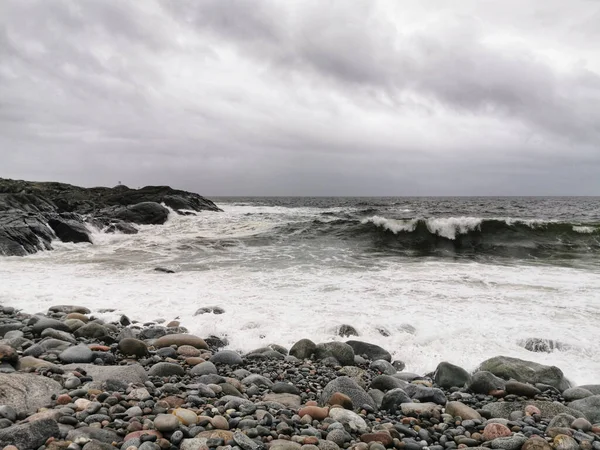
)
(46, 322)
(589, 406)
(68, 230)
(303, 349)
(449, 375)
(342, 352)
(393, 399)
(484, 382)
(30, 435)
(548, 409)
(370, 351)
(23, 233)
(27, 392)
(99, 434)
(350, 388)
(146, 213)
(133, 373)
(593, 388)
(459, 409)
(179, 340)
(69, 309)
(525, 371)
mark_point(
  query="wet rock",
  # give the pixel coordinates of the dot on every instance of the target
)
(46, 322)
(383, 366)
(91, 330)
(370, 351)
(227, 357)
(350, 388)
(346, 331)
(525, 371)
(180, 339)
(342, 352)
(521, 389)
(133, 347)
(484, 382)
(77, 354)
(393, 399)
(449, 375)
(459, 409)
(69, 309)
(68, 230)
(548, 409)
(165, 369)
(209, 310)
(576, 393)
(303, 349)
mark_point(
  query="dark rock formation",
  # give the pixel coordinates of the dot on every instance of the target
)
(32, 214)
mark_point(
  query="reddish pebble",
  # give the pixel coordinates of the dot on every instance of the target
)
(98, 348)
(137, 434)
(495, 430)
(530, 410)
(64, 399)
(311, 440)
(382, 437)
(337, 398)
(497, 393)
(311, 403)
(314, 411)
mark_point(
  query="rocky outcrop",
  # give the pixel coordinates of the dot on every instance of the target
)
(32, 214)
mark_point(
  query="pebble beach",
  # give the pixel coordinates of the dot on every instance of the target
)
(69, 380)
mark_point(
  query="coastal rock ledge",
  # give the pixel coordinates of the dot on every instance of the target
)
(32, 214)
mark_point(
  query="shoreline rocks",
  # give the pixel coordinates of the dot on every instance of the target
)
(32, 214)
(122, 386)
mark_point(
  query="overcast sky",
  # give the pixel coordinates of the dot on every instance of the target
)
(307, 97)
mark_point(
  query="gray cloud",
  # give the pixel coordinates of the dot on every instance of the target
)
(278, 98)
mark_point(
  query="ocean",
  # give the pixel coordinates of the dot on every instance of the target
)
(428, 279)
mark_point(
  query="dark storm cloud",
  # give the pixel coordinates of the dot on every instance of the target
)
(241, 97)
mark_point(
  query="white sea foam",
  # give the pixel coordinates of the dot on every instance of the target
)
(448, 227)
(462, 312)
(393, 225)
(452, 226)
(584, 230)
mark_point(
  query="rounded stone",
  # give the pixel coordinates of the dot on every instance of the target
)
(77, 354)
(165, 369)
(166, 422)
(180, 339)
(186, 416)
(337, 398)
(564, 442)
(314, 411)
(188, 351)
(581, 424)
(219, 422)
(495, 430)
(227, 357)
(133, 347)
